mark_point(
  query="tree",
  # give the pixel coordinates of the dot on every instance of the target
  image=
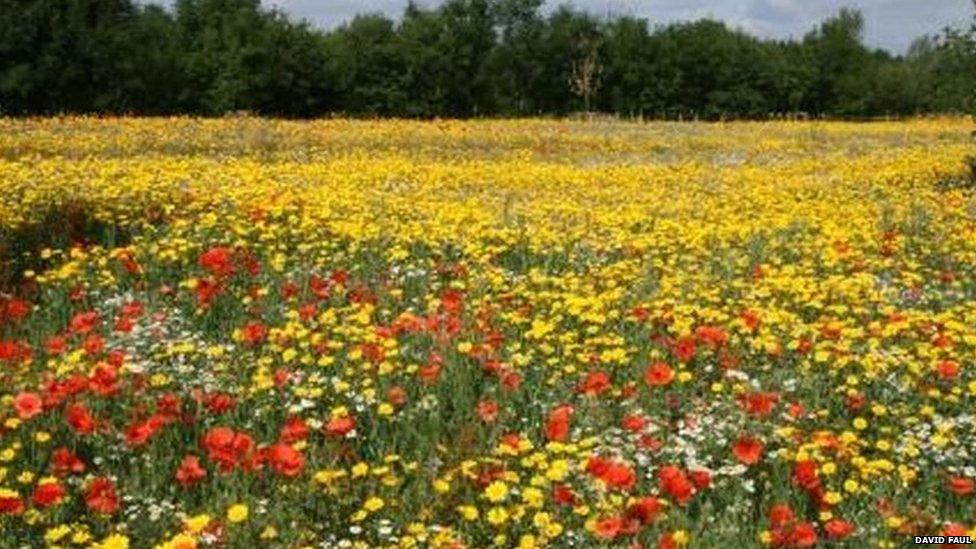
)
(584, 80)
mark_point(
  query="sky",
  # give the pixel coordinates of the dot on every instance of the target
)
(889, 24)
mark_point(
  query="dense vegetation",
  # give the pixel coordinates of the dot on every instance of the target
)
(464, 58)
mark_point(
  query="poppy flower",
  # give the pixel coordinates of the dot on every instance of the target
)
(18, 309)
(961, 486)
(645, 509)
(711, 336)
(28, 405)
(595, 383)
(758, 403)
(11, 504)
(557, 425)
(634, 422)
(396, 395)
(658, 374)
(254, 333)
(805, 474)
(293, 430)
(684, 348)
(80, 419)
(47, 494)
(190, 471)
(608, 528)
(285, 460)
(780, 515)
(83, 323)
(675, 483)
(488, 410)
(748, 450)
(838, 529)
(803, 535)
(218, 261)
(701, 478)
(64, 461)
(104, 380)
(101, 497)
(563, 495)
(340, 426)
(948, 369)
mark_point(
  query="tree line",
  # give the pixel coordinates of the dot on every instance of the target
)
(463, 58)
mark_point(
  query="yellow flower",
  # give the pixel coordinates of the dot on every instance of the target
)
(468, 512)
(196, 524)
(496, 492)
(114, 541)
(373, 504)
(237, 513)
(497, 516)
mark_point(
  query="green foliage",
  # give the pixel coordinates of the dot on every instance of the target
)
(464, 58)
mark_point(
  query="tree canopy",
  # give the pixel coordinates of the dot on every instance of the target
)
(463, 58)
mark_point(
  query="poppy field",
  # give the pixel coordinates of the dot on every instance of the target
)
(243, 332)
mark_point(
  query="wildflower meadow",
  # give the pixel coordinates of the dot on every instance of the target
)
(243, 332)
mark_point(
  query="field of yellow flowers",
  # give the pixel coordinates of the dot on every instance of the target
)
(255, 333)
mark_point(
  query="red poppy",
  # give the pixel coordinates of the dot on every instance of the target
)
(712, 336)
(948, 369)
(748, 450)
(293, 430)
(658, 374)
(101, 497)
(750, 319)
(595, 383)
(634, 422)
(63, 461)
(285, 460)
(190, 471)
(396, 395)
(17, 309)
(254, 332)
(608, 528)
(684, 348)
(47, 494)
(701, 478)
(93, 345)
(510, 379)
(82, 323)
(11, 505)
(56, 345)
(805, 475)
(218, 261)
(28, 405)
(563, 495)
(140, 432)
(645, 509)
(219, 403)
(758, 403)
(104, 380)
(838, 528)
(80, 419)
(229, 448)
(961, 486)
(340, 426)
(615, 474)
(676, 484)
(429, 373)
(803, 535)
(557, 426)
(780, 515)
(488, 410)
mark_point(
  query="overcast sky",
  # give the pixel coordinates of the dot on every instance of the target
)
(891, 24)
